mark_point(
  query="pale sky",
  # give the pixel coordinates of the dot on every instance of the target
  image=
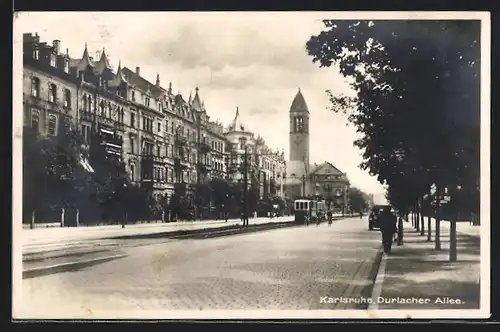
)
(255, 61)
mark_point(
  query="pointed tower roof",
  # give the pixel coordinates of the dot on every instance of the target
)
(103, 63)
(237, 124)
(85, 62)
(119, 77)
(196, 104)
(299, 103)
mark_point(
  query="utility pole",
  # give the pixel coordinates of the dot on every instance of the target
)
(245, 187)
(303, 185)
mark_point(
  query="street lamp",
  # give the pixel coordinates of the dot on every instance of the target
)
(243, 142)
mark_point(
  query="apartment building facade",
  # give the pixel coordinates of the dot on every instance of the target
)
(163, 139)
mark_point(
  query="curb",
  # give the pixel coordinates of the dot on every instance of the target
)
(235, 231)
(379, 281)
(350, 290)
(58, 268)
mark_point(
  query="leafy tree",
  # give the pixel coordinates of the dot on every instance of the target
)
(358, 200)
(416, 102)
(221, 193)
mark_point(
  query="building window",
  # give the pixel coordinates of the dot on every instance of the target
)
(132, 145)
(132, 120)
(52, 60)
(158, 151)
(36, 53)
(298, 124)
(90, 103)
(52, 93)
(35, 120)
(132, 172)
(122, 116)
(67, 98)
(166, 126)
(52, 125)
(35, 87)
(84, 103)
(159, 127)
(66, 65)
(147, 101)
(132, 95)
(101, 108)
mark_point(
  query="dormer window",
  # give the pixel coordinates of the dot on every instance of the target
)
(66, 66)
(36, 53)
(52, 60)
(147, 101)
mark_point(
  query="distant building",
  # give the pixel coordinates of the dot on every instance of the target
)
(270, 165)
(330, 183)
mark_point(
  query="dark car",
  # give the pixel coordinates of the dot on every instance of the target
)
(373, 219)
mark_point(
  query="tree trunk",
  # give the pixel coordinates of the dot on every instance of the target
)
(437, 239)
(422, 222)
(417, 216)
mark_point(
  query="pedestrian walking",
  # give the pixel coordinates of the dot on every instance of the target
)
(388, 228)
(330, 217)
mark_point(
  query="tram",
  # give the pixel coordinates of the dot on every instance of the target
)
(313, 209)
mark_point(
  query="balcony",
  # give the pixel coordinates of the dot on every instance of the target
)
(88, 116)
(204, 147)
(158, 160)
(180, 140)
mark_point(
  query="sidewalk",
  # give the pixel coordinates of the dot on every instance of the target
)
(415, 272)
(44, 239)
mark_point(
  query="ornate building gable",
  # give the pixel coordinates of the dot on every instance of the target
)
(326, 169)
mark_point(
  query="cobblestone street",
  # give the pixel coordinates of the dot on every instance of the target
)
(279, 269)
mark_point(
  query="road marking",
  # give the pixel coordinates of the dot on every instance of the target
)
(379, 280)
(51, 269)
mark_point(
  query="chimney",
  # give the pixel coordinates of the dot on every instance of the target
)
(138, 71)
(157, 79)
(57, 45)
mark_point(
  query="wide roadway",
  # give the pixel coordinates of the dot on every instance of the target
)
(285, 269)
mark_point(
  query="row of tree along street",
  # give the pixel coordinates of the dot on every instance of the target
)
(417, 106)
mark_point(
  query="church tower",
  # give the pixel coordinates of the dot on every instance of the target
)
(297, 182)
(299, 130)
